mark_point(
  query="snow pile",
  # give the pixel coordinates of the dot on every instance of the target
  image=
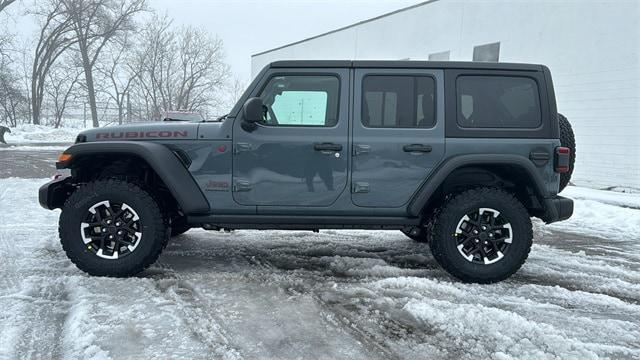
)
(631, 200)
(599, 213)
(29, 133)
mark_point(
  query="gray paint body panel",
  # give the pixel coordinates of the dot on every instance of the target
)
(391, 174)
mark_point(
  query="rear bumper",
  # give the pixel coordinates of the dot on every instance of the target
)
(53, 194)
(558, 208)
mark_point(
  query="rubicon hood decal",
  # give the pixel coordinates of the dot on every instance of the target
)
(142, 134)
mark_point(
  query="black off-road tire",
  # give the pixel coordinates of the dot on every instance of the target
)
(567, 139)
(444, 241)
(153, 226)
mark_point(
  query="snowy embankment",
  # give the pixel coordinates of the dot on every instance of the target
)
(33, 134)
(336, 294)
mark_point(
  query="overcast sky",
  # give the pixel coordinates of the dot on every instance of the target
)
(249, 27)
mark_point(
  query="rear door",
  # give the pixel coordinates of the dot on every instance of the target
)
(398, 134)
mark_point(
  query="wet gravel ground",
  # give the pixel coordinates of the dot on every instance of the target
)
(31, 163)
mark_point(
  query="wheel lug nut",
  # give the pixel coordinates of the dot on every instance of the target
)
(484, 228)
(109, 222)
(118, 224)
(120, 232)
(104, 229)
(110, 236)
(477, 240)
(475, 231)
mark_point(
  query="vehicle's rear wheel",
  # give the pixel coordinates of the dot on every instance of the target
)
(482, 235)
(112, 228)
(567, 139)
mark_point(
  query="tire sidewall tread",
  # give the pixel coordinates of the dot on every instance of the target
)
(155, 229)
(443, 244)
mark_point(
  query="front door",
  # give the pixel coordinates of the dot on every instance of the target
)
(298, 155)
(398, 133)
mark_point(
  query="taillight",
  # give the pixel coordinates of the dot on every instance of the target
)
(563, 155)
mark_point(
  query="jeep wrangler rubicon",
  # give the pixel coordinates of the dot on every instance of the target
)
(459, 155)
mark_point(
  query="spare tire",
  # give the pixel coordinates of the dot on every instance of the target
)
(567, 139)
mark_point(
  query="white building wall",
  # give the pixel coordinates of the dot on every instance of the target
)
(592, 49)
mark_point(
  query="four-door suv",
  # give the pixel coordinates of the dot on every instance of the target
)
(460, 155)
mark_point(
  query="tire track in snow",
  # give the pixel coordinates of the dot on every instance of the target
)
(202, 325)
(263, 319)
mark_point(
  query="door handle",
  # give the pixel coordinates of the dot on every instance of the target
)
(327, 147)
(417, 148)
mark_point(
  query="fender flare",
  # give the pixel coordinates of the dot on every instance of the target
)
(428, 188)
(160, 158)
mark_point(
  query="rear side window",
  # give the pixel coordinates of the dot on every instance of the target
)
(398, 101)
(497, 102)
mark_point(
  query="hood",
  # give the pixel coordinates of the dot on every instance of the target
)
(162, 130)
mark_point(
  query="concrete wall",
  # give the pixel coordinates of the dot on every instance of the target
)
(592, 49)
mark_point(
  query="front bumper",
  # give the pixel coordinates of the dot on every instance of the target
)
(53, 194)
(558, 208)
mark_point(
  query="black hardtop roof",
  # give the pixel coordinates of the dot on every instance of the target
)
(406, 64)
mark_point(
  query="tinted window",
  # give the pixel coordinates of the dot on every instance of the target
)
(301, 101)
(398, 101)
(497, 101)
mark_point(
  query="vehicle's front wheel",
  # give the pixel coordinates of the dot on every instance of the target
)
(112, 228)
(482, 235)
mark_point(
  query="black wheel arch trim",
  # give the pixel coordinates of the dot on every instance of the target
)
(433, 182)
(162, 160)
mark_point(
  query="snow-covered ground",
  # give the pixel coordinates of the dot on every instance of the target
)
(29, 134)
(331, 295)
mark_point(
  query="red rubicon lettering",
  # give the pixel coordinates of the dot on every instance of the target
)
(141, 134)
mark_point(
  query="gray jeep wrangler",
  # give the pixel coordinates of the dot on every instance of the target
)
(459, 155)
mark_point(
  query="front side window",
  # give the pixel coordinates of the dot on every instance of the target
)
(398, 101)
(497, 102)
(296, 100)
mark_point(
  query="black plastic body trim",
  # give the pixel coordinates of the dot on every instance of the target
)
(558, 208)
(53, 194)
(432, 183)
(301, 222)
(162, 160)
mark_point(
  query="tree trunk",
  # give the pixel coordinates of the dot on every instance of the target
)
(35, 104)
(91, 92)
(120, 112)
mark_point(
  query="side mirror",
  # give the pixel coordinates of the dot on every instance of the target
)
(253, 110)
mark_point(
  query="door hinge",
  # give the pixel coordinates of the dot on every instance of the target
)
(240, 147)
(360, 187)
(359, 149)
(241, 185)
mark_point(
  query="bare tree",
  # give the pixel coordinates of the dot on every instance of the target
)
(56, 36)
(180, 70)
(62, 87)
(119, 71)
(96, 23)
(5, 3)
(12, 100)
